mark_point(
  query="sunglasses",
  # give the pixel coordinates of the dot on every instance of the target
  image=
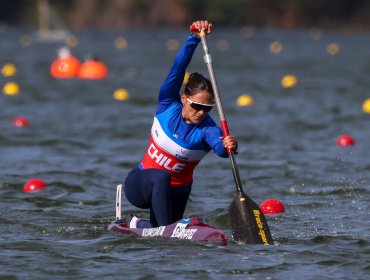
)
(199, 106)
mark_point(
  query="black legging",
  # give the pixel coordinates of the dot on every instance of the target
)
(151, 189)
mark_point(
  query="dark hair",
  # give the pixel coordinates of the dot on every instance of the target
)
(196, 83)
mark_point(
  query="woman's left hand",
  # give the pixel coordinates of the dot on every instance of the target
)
(202, 25)
(230, 142)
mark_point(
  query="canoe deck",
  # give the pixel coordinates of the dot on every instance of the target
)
(191, 228)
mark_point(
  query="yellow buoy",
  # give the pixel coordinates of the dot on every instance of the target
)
(244, 100)
(289, 81)
(9, 70)
(276, 47)
(121, 94)
(11, 88)
(333, 48)
(120, 43)
(366, 106)
(186, 78)
(72, 41)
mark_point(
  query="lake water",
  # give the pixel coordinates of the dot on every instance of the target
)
(82, 143)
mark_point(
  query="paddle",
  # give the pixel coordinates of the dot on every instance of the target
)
(247, 222)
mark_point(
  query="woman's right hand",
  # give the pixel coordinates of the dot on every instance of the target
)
(201, 25)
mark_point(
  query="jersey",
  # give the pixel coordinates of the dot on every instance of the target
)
(174, 145)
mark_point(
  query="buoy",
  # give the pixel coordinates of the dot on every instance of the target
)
(34, 184)
(11, 88)
(65, 66)
(272, 206)
(333, 49)
(186, 78)
(289, 81)
(121, 94)
(20, 122)
(121, 43)
(92, 68)
(276, 47)
(72, 41)
(9, 70)
(366, 106)
(245, 100)
(345, 140)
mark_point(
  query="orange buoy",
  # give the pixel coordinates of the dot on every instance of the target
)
(93, 69)
(65, 66)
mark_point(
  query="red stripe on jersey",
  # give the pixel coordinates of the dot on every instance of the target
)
(181, 171)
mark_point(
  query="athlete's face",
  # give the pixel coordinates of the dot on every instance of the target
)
(196, 107)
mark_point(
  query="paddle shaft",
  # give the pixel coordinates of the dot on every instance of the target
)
(224, 126)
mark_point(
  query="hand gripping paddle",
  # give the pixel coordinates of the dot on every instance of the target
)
(247, 222)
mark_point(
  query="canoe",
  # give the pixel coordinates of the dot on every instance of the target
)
(191, 228)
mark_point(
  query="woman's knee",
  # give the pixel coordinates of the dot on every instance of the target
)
(134, 194)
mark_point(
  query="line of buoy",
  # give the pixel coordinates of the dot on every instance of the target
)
(11, 88)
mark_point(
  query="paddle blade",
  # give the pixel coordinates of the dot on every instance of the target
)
(247, 222)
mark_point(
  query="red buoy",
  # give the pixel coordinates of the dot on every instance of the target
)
(34, 184)
(20, 122)
(65, 66)
(272, 206)
(345, 140)
(93, 69)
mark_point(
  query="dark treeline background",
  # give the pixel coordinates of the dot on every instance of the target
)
(123, 13)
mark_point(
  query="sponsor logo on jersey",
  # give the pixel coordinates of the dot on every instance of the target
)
(182, 154)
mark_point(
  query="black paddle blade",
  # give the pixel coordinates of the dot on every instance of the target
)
(247, 222)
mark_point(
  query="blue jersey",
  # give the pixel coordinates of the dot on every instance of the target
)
(175, 145)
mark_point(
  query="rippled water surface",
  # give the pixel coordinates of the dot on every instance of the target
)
(82, 143)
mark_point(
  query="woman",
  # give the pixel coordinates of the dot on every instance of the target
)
(181, 135)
